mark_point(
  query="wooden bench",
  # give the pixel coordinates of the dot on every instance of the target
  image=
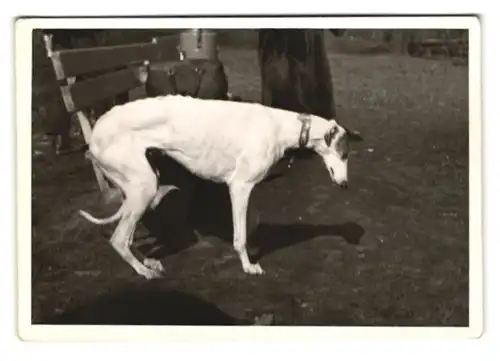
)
(107, 71)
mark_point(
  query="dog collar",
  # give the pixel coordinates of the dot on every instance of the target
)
(304, 131)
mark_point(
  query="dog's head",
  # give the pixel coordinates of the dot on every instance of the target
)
(333, 145)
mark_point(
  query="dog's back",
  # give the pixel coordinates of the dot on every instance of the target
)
(182, 121)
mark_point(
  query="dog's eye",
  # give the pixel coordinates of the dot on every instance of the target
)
(344, 156)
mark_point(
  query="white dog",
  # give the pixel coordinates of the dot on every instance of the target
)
(223, 141)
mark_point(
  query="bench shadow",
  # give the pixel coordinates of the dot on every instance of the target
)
(146, 306)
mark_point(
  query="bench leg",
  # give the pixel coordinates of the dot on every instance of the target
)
(87, 132)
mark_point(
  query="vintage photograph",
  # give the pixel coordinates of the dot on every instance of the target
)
(250, 177)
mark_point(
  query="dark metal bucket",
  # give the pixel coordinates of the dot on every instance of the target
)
(199, 44)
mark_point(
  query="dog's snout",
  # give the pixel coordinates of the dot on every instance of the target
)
(343, 184)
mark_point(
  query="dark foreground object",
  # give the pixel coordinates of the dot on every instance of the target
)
(146, 306)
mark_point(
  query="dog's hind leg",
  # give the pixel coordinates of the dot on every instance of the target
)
(240, 194)
(138, 183)
(138, 198)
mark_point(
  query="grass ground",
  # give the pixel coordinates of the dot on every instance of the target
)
(392, 250)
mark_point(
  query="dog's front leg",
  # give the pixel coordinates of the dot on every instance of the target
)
(240, 194)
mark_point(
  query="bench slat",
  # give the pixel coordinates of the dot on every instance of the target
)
(87, 93)
(83, 61)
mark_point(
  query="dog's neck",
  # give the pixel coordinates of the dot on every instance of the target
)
(302, 131)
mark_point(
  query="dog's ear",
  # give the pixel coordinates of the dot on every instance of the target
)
(354, 136)
(330, 134)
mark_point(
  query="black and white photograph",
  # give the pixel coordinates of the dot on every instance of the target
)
(252, 172)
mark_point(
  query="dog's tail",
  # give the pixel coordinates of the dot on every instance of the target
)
(108, 220)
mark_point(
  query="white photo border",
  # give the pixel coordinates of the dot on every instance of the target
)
(23, 58)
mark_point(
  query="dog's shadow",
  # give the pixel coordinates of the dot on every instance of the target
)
(206, 208)
(268, 238)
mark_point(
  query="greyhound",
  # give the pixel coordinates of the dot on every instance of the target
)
(218, 140)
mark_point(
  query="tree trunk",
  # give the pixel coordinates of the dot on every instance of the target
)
(295, 72)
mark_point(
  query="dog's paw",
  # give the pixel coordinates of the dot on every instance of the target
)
(154, 264)
(253, 269)
(149, 273)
